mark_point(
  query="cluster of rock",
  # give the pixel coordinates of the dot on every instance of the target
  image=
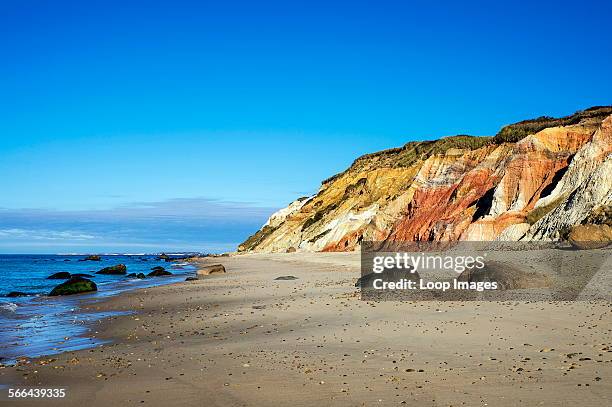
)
(541, 179)
(78, 283)
(81, 283)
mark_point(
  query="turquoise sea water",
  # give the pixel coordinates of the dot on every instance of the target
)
(37, 325)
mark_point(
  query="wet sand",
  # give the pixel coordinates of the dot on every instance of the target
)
(245, 339)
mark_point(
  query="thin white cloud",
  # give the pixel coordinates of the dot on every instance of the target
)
(42, 234)
(183, 224)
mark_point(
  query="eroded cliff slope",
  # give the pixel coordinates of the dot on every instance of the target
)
(538, 179)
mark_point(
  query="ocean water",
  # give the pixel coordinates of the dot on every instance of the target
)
(38, 325)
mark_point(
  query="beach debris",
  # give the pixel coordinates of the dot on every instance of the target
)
(208, 270)
(44, 362)
(75, 285)
(191, 278)
(62, 275)
(286, 278)
(119, 269)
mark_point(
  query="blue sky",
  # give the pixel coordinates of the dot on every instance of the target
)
(152, 125)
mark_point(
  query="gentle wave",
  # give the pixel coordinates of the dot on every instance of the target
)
(8, 308)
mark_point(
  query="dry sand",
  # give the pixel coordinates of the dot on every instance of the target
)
(245, 339)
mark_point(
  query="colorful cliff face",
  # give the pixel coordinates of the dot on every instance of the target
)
(539, 179)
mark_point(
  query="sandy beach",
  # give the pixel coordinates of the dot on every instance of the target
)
(245, 339)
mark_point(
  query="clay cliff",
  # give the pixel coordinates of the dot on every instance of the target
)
(540, 179)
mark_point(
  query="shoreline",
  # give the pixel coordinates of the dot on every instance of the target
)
(49, 326)
(245, 338)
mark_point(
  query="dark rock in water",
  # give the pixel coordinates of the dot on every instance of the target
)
(66, 259)
(191, 279)
(75, 285)
(62, 275)
(92, 257)
(158, 268)
(144, 259)
(286, 278)
(159, 273)
(134, 275)
(163, 256)
(119, 269)
(84, 275)
(14, 294)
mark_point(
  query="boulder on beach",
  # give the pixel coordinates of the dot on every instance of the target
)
(14, 294)
(119, 269)
(589, 237)
(286, 278)
(62, 275)
(92, 257)
(208, 270)
(76, 285)
(159, 272)
(191, 278)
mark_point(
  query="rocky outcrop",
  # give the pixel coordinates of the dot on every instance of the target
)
(534, 180)
(76, 285)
